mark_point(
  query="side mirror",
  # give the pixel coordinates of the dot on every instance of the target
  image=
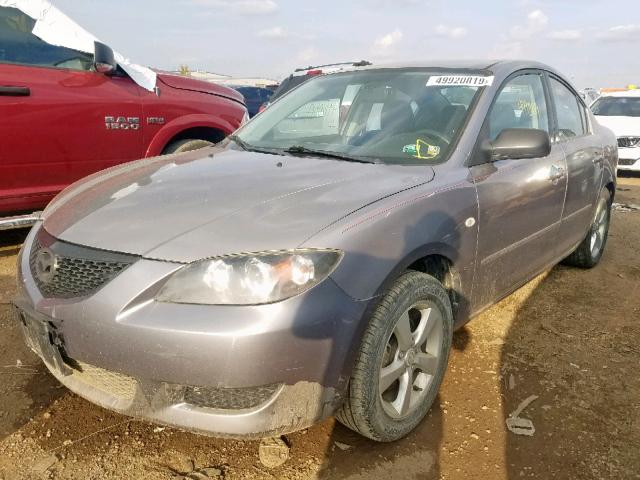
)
(104, 60)
(517, 143)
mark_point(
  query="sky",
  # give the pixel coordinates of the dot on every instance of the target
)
(595, 43)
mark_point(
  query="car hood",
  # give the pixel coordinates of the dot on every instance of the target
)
(621, 126)
(216, 202)
(185, 83)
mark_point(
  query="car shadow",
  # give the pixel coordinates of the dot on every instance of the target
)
(417, 455)
(572, 351)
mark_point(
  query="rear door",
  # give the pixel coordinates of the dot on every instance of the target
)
(59, 120)
(585, 163)
(520, 201)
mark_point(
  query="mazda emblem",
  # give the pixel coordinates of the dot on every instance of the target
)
(45, 265)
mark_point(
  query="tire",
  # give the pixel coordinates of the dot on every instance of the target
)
(186, 145)
(590, 250)
(415, 301)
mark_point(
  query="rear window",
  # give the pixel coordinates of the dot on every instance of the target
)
(250, 94)
(617, 107)
(288, 84)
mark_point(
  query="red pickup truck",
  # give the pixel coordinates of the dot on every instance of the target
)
(66, 113)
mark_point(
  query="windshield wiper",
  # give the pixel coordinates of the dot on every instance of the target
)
(300, 150)
(241, 143)
(250, 148)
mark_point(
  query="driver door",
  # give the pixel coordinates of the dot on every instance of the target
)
(52, 116)
(520, 201)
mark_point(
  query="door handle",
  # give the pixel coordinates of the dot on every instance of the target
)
(556, 173)
(8, 91)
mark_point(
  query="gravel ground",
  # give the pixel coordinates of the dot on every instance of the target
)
(570, 338)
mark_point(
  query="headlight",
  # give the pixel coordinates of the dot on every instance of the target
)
(249, 279)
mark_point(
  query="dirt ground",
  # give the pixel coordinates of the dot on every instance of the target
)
(571, 338)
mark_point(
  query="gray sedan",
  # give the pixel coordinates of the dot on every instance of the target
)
(317, 262)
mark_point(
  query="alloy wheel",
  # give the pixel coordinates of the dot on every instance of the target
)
(599, 229)
(411, 359)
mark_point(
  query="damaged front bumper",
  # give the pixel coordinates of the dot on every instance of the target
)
(242, 372)
(251, 412)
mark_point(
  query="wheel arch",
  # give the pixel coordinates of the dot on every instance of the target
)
(210, 134)
(609, 171)
(437, 260)
(178, 128)
(611, 186)
(442, 269)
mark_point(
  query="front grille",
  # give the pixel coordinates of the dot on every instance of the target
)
(229, 398)
(72, 270)
(628, 142)
(626, 161)
(115, 384)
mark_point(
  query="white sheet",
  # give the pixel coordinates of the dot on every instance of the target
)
(56, 28)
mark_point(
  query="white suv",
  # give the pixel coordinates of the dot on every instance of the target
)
(620, 111)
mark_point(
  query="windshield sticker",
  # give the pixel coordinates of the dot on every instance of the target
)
(460, 81)
(422, 150)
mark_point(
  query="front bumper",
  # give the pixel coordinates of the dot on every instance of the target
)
(194, 366)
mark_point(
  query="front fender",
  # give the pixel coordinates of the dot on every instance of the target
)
(383, 239)
(185, 122)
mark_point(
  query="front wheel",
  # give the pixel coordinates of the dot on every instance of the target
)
(590, 251)
(186, 145)
(402, 360)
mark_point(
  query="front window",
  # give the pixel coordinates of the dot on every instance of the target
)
(402, 116)
(520, 104)
(617, 107)
(20, 46)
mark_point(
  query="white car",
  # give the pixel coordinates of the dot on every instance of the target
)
(620, 112)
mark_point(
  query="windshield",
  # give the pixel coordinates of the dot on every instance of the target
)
(389, 116)
(617, 107)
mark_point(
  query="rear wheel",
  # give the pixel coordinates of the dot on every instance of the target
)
(402, 360)
(186, 145)
(590, 251)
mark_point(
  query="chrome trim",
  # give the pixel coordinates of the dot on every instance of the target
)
(19, 221)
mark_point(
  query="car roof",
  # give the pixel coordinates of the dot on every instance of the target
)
(496, 67)
(358, 63)
(465, 64)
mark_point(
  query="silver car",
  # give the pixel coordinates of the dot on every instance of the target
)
(317, 262)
